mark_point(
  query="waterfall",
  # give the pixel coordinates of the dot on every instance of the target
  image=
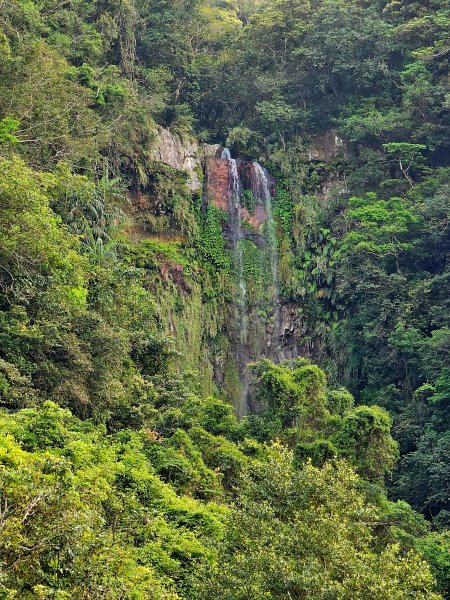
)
(261, 190)
(226, 154)
(256, 326)
(235, 209)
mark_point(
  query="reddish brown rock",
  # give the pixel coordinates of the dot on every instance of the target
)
(218, 191)
(257, 219)
(174, 272)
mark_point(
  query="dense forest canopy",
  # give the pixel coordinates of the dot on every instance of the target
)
(124, 470)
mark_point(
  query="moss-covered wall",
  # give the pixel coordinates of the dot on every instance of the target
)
(182, 240)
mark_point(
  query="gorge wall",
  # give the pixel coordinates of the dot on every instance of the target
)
(216, 275)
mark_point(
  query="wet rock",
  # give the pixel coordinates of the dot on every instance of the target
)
(256, 218)
(218, 188)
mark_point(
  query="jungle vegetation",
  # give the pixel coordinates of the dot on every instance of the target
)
(124, 473)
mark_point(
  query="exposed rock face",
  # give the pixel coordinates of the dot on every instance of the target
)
(328, 147)
(333, 183)
(186, 154)
(256, 321)
(183, 154)
(288, 330)
(256, 218)
(218, 189)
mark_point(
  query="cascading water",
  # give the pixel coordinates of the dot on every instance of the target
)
(235, 208)
(226, 154)
(261, 190)
(255, 329)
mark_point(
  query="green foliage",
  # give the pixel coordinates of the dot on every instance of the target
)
(363, 437)
(320, 423)
(7, 128)
(425, 474)
(133, 512)
(245, 141)
(248, 201)
(384, 227)
(256, 271)
(435, 548)
(408, 156)
(56, 126)
(293, 533)
(340, 402)
(123, 476)
(211, 243)
(88, 514)
(90, 211)
(396, 339)
(32, 244)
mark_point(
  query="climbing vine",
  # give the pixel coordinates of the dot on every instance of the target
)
(210, 241)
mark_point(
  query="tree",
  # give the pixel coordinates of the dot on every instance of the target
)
(294, 534)
(382, 228)
(408, 155)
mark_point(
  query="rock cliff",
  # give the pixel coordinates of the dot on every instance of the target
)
(184, 154)
(252, 320)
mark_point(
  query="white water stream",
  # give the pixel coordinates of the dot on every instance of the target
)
(260, 184)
